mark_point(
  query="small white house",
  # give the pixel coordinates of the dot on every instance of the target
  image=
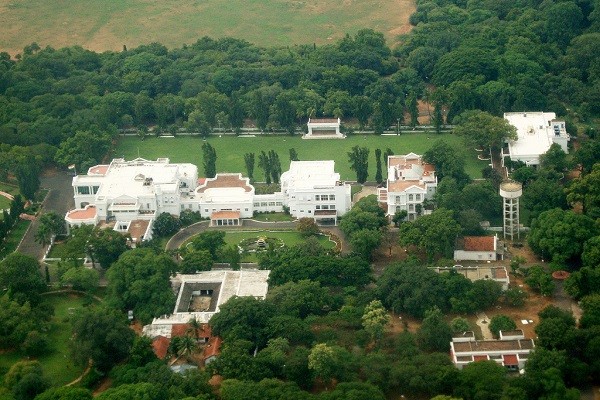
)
(479, 248)
(536, 132)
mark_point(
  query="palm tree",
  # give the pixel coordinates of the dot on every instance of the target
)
(186, 346)
(195, 327)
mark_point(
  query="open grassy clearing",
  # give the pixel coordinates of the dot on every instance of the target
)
(109, 24)
(231, 149)
(57, 364)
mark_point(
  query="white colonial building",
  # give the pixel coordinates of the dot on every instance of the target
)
(129, 195)
(536, 132)
(410, 182)
(313, 189)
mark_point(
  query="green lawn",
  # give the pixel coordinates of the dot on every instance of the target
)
(110, 24)
(14, 238)
(230, 150)
(57, 364)
(290, 238)
(273, 217)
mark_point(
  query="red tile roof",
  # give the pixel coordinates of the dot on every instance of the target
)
(213, 348)
(478, 243)
(480, 358)
(323, 120)
(98, 170)
(510, 359)
(225, 215)
(160, 345)
(225, 181)
(85, 213)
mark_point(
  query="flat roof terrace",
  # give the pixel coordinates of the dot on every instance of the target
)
(493, 345)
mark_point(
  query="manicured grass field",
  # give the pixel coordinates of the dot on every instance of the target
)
(230, 150)
(14, 237)
(110, 24)
(57, 364)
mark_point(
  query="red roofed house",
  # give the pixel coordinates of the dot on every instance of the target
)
(212, 350)
(479, 248)
(160, 345)
(410, 182)
(511, 351)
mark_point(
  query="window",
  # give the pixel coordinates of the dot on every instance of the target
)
(83, 190)
(397, 199)
(317, 197)
(309, 211)
(317, 207)
(278, 203)
(95, 189)
(263, 204)
(271, 203)
(206, 210)
(332, 197)
(417, 197)
(256, 204)
(332, 207)
(410, 197)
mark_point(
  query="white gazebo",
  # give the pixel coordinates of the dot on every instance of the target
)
(324, 128)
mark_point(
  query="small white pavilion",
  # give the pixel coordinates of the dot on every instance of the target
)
(324, 128)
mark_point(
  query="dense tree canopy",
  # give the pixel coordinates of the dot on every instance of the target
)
(140, 281)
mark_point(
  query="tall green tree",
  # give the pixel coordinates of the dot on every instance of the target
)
(249, 162)
(434, 334)
(559, 235)
(586, 191)
(102, 335)
(358, 158)
(209, 156)
(378, 174)
(481, 129)
(27, 173)
(21, 276)
(265, 164)
(433, 234)
(140, 281)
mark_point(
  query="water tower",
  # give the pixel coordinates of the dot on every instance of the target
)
(510, 192)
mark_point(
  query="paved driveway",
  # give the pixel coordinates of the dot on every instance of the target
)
(59, 199)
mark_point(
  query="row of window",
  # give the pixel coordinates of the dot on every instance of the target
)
(324, 197)
(325, 207)
(268, 204)
(86, 189)
(411, 197)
